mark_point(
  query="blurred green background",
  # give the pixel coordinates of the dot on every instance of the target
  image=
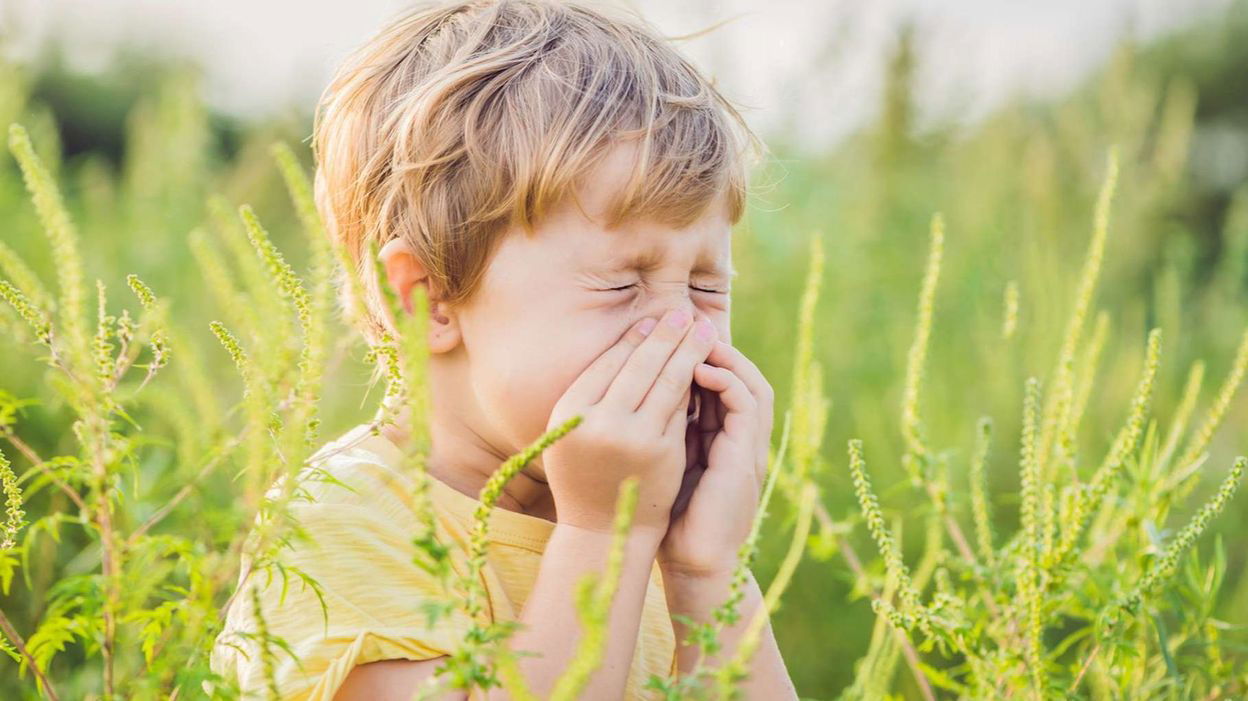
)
(139, 156)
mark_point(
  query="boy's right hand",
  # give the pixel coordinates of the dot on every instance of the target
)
(633, 399)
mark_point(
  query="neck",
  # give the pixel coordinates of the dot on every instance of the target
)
(462, 459)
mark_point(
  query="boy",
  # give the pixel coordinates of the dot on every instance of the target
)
(564, 185)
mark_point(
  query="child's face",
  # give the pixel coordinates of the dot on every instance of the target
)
(545, 309)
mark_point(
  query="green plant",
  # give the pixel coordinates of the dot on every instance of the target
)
(140, 436)
(1069, 568)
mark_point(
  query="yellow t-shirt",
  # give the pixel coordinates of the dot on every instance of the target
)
(362, 556)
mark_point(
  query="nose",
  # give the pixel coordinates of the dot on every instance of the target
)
(659, 309)
(677, 296)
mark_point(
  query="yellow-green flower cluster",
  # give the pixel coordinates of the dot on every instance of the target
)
(809, 406)
(1168, 562)
(1217, 411)
(730, 675)
(1032, 521)
(105, 363)
(1161, 570)
(1009, 320)
(15, 269)
(473, 664)
(14, 514)
(59, 229)
(1060, 398)
(1070, 426)
(911, 423)
(1183, 412)
(33, 316)
(593, 601)
(489, 497)
(911, 610)
(266, 653)
(980, 508)
(1088, 501)
(287, 281)
(159, 339)
(227, 339)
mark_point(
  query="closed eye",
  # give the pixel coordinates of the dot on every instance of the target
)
(699, 289)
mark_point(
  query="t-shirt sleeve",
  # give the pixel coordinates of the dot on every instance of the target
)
(358, 550)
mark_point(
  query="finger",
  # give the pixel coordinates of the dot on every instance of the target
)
(740, 408)
(673, 387)
(727, 355)
(590, 386)
(639, 370)
(669, 391)
(760, 463)
(676, 422)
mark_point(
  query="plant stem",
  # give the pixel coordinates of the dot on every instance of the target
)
(164, 511)
(1083, 670)
(39, 464)
(11, 633)
(855, 564)
(99, 433)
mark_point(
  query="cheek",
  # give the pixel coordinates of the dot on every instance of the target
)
(720, 319)
(522, 378)
(723, 329)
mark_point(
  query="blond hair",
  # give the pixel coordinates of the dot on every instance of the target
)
(461, 120)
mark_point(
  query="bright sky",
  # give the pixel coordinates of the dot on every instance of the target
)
(817, 62)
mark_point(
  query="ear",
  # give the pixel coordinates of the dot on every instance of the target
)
(404, 270)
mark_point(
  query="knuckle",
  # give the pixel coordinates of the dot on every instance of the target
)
(751, 403)
(768, 394)
(634, 439)
(610, 444)
(595, 428)
(665, 332)
(563, 411)
(643, 356)
(672, 334)
(616, 430)
(691, 340)
(670, 382)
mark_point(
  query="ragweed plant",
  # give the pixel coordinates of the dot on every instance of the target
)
(141, 442)
(157, 593)
(1068, 606)
(90, 371)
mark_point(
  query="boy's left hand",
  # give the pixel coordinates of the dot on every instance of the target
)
(726, 464)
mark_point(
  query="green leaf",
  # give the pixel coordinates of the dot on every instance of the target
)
(1163, 644)
(942, 680)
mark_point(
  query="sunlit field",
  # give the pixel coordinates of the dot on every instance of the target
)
(1007, 358)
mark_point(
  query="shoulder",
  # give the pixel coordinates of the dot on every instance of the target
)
(346, 587)
(360, 471)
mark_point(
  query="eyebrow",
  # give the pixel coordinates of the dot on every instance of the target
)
(651, 258)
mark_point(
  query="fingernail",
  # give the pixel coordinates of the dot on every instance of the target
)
(646, 326)
(677, 318)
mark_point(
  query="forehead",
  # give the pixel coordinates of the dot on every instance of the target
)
(580, 224)
(644, 249)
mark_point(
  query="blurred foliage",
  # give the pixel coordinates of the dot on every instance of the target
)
(153, 182)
